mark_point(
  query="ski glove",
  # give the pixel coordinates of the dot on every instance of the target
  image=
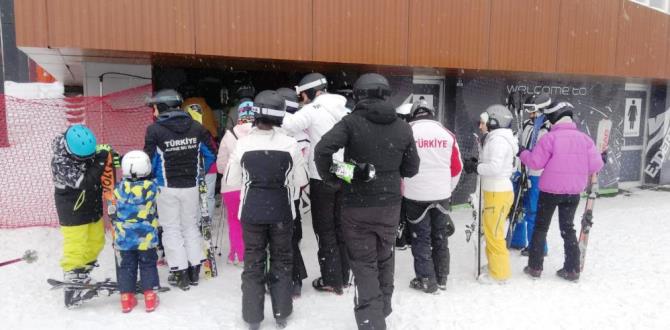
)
(470, 165)
(604, 156)
(105, 147)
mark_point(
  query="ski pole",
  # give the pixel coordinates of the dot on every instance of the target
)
(29, 256)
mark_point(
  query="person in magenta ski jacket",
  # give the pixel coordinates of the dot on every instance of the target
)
(568, 158)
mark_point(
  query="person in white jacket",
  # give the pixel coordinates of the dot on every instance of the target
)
(321, 111)
(230, 195)
(426, 197)
(495, 166)
(269, 167)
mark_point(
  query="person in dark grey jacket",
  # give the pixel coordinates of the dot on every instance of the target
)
(371, 135)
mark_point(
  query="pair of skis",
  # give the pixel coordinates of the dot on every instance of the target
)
(209, 266)
(475, 227)
(602, 142)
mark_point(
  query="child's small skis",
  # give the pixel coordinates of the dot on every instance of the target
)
(602, 141)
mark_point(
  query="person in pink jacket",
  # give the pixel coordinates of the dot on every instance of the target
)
(231, 194)
(568, 158)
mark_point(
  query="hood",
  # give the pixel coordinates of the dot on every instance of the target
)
(504, 133)
(242, 130)
(175, 120)
(376, 111)
(335, 104)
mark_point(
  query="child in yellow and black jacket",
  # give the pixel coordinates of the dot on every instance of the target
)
(77, 165)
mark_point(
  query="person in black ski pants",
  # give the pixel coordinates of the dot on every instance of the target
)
(372, 134)
(269, 167)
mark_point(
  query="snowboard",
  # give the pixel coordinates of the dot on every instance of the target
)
(602, 141)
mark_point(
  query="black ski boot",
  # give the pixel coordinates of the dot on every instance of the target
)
(567, 275)
(319, 285)
(75, 297)
(534, 273)
(194, 274)
(179, 278)
(424, 284)
(442, 283)
(254, 326)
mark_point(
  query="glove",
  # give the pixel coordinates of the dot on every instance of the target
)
(521, 149)
(364, 172)
(101, 147)
(116, 160)
(353, 171)
(470, 165)
(604, 156)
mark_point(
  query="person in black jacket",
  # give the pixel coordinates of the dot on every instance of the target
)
(269, 167)
(77, 165)
(373, 135)
(175, 143)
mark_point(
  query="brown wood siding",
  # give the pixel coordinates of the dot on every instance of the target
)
(642, 41)
(587, 36)
(524, 35)
(356, 31)
(449, 33)
(254, 28)
(30, 17)
(131, 25)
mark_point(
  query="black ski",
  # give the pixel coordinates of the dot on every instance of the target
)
(107, 286)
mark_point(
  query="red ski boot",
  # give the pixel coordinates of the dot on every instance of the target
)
(150, 301)
(128, 302)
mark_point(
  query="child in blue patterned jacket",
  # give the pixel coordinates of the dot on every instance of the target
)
(136, 231)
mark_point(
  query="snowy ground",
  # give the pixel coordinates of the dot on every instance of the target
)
(625, 285)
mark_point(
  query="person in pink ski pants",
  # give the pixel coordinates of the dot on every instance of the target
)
(230, 194)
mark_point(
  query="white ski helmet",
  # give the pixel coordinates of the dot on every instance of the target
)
(499, 117)
(136, 164)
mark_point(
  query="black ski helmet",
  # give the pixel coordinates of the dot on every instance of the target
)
(269, 107)
(371, 85)
(421, 107)
(165, 99)
(291, 98)
(537, 102)
(312, 83)
(246, 91)
(498, 117)
(558, 110)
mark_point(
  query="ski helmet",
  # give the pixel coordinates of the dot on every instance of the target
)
(371, 85)
(312, 83)
(245, 112)
(558, 110)
(165, 99)
(537, 102)
(291, 98)
(80, 141)
(421, 107)
(499, 117)
(246, 91)
(269, 107)
(403, 111)
(136, 164)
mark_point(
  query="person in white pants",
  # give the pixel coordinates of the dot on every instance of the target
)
(175, 143)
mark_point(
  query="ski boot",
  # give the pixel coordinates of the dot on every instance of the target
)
(534, 273)
(568, 275)
(179, 278)
(128, 302)
(254, 326)
(281, 322)
(424, 284)
(442, 283)
(194, 275)
(297, 289)
(150, 301)
(319, 285)
(75, 297)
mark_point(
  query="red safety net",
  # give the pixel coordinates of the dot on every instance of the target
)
(27, 128)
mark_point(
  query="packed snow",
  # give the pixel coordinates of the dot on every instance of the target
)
(624, 285)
